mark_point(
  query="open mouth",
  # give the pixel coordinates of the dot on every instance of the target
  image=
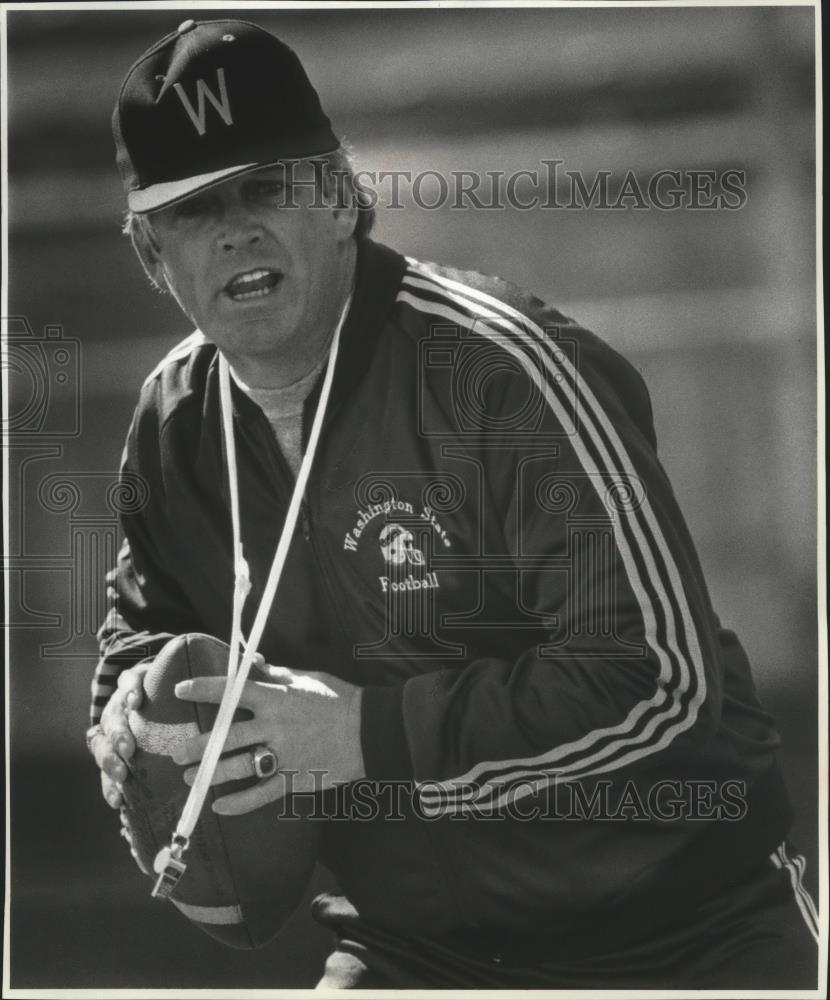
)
(254, 284)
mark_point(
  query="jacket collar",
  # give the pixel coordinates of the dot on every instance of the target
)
(379, 271)
(377, 283)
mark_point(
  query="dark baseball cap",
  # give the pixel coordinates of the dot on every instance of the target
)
(210, 101)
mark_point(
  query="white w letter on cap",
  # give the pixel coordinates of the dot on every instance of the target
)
(221, 104)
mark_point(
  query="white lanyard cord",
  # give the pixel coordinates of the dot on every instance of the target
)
(242, 579)
(237, 675)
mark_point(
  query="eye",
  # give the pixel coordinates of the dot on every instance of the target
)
(268, 187)
(191, 208)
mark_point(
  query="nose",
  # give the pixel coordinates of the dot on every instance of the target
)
(238, 227)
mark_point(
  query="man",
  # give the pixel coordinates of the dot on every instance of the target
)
(490, 598)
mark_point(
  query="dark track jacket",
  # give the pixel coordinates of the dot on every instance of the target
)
(560, 736)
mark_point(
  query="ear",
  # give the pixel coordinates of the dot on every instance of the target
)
(147, 252)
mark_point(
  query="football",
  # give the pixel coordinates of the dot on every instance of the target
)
(245, 874)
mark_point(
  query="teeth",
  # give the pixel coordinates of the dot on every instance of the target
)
(253, 284)
(256, 294)
(251, 276)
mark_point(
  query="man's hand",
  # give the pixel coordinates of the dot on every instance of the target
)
(311, 721)
(114, 743)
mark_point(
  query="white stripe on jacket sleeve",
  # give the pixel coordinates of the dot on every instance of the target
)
(635, 737)
(795, 869)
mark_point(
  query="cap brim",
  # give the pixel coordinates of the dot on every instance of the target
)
(161, 195)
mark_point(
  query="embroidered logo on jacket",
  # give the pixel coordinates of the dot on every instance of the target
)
(397, 546)
(406, 564)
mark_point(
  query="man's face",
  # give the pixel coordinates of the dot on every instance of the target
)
(252, 263)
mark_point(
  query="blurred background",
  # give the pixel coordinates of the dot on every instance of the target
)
(716, 308)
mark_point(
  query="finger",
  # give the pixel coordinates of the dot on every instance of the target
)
(233, 768)
(125, 833)
(117, 731)
(241, 734)
(115, 726)
(131, 686)
(277, 675)
(140, 863)
(113, 710)
(107, 759)
(262, 671)
(257, 663)
(209, 690)
(249, 799)
(125, 826)
(313, 683)
(109, 790)
(310, 681)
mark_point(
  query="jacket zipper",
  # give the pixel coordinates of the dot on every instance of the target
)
(334, 598)
(280, 480)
